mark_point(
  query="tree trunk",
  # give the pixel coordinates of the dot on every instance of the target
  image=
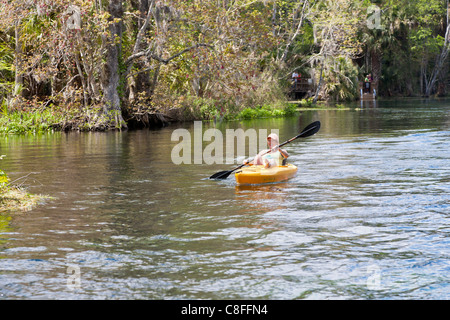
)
(111, 80)
(83, 81)
(422, 76)
(375, 56)
(155, 79)
(145, 9)
(295, 33)
(440, 59)
(316, 96)
(18, 85)
(274, 19)
(442, 82)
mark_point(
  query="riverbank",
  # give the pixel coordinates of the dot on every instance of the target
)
(53, 119)
(38, 120)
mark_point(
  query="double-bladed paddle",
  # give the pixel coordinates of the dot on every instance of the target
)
(309, 130)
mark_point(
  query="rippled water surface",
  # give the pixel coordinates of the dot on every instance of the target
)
(366, 217)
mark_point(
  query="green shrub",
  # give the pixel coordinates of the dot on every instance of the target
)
(307, 103)
(248, 113)
(30, 121)
(290, 109)
(3, 180)
(267, 111)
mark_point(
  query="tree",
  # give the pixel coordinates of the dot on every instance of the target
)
(409, 42)
(287, 22)
(111, 77)
(336, 26)
(441, 56)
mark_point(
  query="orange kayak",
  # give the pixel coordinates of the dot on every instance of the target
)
(259, 174)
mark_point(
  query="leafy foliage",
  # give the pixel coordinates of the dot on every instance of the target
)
(4, 181)
(214, 57)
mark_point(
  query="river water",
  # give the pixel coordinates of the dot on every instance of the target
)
(366, 217)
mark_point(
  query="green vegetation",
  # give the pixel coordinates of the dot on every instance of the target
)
(102, 64)
(267, 112)
(31, 121)
(209, 110)
(13, 198)
(3, 180)
(17, 199)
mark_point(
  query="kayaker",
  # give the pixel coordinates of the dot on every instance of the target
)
(274, 158)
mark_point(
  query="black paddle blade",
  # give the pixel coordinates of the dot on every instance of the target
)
(221, 175)
(310, 129)
(224, 174)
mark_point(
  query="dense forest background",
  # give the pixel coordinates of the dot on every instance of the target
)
(112, 63)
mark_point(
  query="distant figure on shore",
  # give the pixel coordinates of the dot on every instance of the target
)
(367, 83)
(295, 76)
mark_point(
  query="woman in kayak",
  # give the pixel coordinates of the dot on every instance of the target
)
(272, 157)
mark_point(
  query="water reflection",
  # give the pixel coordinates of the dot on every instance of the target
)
(263, 197)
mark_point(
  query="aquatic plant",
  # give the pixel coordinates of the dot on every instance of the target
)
(13, 197)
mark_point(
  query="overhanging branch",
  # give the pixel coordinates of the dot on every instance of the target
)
(166, 61)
